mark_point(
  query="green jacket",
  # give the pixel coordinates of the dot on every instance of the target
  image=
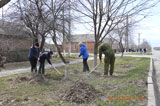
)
(106, 50)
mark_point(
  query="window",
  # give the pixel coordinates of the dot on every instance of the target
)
(74, 47)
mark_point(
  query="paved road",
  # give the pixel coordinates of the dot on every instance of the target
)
(156, 59)
(24, 70)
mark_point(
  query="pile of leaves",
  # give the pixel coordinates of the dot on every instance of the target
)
(81, 92)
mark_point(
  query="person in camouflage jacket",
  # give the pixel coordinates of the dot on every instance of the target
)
(109, 58)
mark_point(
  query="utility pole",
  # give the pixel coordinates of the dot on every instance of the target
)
(139, 39)
(69, 25)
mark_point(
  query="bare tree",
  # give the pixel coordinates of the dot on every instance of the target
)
(55, 24)
(107, 14)
(29, 13)
(119, 31)
(45, 17)
(122, 34)
(111, 40)
(145, 44)
(69, 25)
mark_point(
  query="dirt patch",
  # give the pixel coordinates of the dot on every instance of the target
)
(11, 79)
(31, 79)
(21, 79)
(81, 92)
(48, 76)
(96, 74)
(75, 72)
(36, 78)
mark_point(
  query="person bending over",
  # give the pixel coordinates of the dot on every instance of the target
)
(44, 56)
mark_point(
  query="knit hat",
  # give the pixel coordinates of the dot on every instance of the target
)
(36, 44)
(50, 52)
(80, 43)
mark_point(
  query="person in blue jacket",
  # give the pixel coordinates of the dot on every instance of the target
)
(33, 56)
(44, 56)
(85, 55)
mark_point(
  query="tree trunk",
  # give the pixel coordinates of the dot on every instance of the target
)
(42, 43)
(69, 48)
(69, 25)
(62, 58)
(64, 41)
(64, 48)
(3, 2)
(59, 52)
(122, 49)
(66, 72)
(122, 53)
(95, 54)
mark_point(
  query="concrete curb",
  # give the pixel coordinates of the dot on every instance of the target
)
(151, 92)
(155, 84)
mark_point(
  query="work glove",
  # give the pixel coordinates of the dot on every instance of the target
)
(52, 65)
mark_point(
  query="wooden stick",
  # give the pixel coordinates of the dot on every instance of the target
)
(57, 70)
(93, 69)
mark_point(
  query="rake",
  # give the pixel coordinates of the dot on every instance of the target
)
(92, 70)
(56, 70)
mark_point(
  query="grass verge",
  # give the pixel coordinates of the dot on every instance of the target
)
(138, 53)
(127, 87)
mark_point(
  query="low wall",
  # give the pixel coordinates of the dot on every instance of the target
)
(16, 56)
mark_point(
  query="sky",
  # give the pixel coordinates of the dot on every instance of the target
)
(149, 28)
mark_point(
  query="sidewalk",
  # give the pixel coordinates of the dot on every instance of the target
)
(24, 70)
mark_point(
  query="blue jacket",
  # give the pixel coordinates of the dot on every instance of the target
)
(45, 56)
(84, 52)
(34, 53)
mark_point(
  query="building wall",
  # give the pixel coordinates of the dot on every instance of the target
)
(76, 49)
(12, 43)
(15, 48)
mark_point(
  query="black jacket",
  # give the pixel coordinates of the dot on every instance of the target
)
(44, 56)
(34, 53)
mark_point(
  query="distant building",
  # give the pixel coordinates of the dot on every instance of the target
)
(48, 47)
(88, 40)
(14, 41)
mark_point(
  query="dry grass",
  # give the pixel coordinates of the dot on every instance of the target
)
(129, 80)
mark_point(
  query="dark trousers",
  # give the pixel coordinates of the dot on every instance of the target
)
(41, 68)
(85, 65)
(33, 63)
